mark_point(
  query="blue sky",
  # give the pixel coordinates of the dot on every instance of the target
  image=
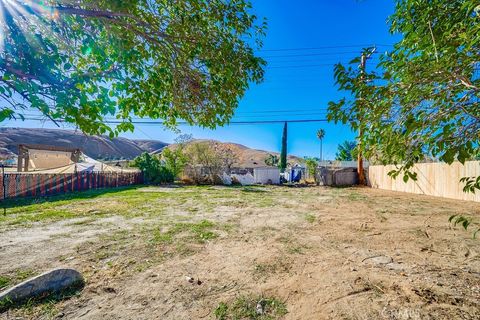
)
(298, 83)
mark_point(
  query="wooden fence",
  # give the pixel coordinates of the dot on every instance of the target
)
(19, 185)
(434, 179)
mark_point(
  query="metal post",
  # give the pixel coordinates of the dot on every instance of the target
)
(4, 190)
(360, 170)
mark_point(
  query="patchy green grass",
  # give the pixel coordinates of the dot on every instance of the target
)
(15, 277)
(44, 307)
(265, 270)
(310, 218)
(199, 232)
(149, 202)
(382, 214)
(24, 274)
(252, 308)
(4, 282)
(292, 246)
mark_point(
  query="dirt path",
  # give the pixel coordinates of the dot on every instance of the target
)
(325, 253)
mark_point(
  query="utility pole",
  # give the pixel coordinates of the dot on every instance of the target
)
(361, 172)
(284, 152)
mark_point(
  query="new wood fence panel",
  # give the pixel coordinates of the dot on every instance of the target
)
(433, 179)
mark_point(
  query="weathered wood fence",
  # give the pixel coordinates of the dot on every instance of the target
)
(434, 179)
(18, 185)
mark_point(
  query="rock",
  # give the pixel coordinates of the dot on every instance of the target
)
(54, 281)
(260, 307)
(395, 266)
(379, 259)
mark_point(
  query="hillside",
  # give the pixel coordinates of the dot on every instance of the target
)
(153, 146)
(250, 158)
(97, 147)
(102, 147)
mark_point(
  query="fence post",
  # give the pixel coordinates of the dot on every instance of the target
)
(4, 191)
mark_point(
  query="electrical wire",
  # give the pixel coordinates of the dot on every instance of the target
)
(188, 124)
(312, 54)
(326, 47)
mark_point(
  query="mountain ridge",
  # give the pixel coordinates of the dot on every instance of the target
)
(104, 148)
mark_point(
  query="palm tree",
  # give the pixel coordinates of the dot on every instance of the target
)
(320, 136)
(347, 151)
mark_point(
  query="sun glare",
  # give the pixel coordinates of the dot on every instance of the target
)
(25, 14)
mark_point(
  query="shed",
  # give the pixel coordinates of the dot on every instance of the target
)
(267, 175)
(337, 177)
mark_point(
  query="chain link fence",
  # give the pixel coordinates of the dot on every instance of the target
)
(21, 185)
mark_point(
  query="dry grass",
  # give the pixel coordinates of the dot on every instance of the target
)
(305, 253)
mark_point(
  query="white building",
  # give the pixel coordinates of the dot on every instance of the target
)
(266, 175)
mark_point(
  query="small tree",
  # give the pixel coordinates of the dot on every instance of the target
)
(153, 171)
(175, 159)
(227, 156)
(311, 166)
(203, 164)
(207, 161)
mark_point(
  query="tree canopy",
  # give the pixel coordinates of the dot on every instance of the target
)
(422, 100)
(347, 151)
(272, 160)
(81, 61)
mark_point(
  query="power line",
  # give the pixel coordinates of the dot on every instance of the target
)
(314, 109)
(282, 115)
(311, 54)
(326, 47)
(271, 111)
(188, 124)
(333, 60)
(303, 66)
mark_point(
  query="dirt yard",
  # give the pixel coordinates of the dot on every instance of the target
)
(247, 253)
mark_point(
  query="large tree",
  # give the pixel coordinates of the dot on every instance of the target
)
(423, 98)
(81, 61)
(321, 136)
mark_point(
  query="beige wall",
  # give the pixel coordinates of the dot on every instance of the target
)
(434, 179)
(43, 159)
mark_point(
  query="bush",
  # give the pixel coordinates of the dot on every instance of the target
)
(153, 171)
(164, 175)
(175, 160)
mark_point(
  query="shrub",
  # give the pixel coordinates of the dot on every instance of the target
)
(153, 171)
(175, 160)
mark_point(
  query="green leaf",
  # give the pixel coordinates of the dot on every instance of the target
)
(452, 217)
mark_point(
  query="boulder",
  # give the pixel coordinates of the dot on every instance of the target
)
(54, 281)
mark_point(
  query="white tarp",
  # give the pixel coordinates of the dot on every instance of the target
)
(226, 179)
(87, 164)
(244, 179)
